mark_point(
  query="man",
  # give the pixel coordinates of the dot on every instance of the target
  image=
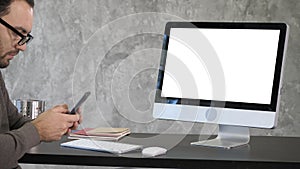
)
(17, 133)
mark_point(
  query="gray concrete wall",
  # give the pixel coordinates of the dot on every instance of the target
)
(112, 48)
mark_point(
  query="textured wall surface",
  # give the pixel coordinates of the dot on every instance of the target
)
(112, 48)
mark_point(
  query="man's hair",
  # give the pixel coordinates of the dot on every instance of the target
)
(5, 4)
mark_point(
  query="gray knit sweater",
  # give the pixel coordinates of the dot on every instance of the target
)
(17, 134)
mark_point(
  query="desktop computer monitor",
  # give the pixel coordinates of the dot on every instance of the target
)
(226, 73)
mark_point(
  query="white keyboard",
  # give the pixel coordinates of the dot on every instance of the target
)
(106, 146)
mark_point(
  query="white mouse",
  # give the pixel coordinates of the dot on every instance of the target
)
(153, 151)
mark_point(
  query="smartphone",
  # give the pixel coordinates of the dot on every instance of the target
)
(80, 102)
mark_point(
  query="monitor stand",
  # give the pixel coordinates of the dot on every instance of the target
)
(228, 137)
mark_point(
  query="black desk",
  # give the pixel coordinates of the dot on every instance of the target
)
(261, 152)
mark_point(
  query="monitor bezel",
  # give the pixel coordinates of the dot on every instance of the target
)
(282, 27)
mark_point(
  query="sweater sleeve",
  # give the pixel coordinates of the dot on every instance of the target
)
(15, 143)
(17, 134)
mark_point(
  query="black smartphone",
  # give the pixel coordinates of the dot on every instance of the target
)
(79, 103)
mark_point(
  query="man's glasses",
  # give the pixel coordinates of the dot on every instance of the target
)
(24, 39)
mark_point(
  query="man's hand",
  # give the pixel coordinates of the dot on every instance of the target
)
(55, 122)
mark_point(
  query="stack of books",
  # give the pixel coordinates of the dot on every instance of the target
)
(112, 134)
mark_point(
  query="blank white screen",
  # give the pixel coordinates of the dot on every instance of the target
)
(247, 58)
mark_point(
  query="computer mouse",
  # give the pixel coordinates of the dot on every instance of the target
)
(153, 151)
